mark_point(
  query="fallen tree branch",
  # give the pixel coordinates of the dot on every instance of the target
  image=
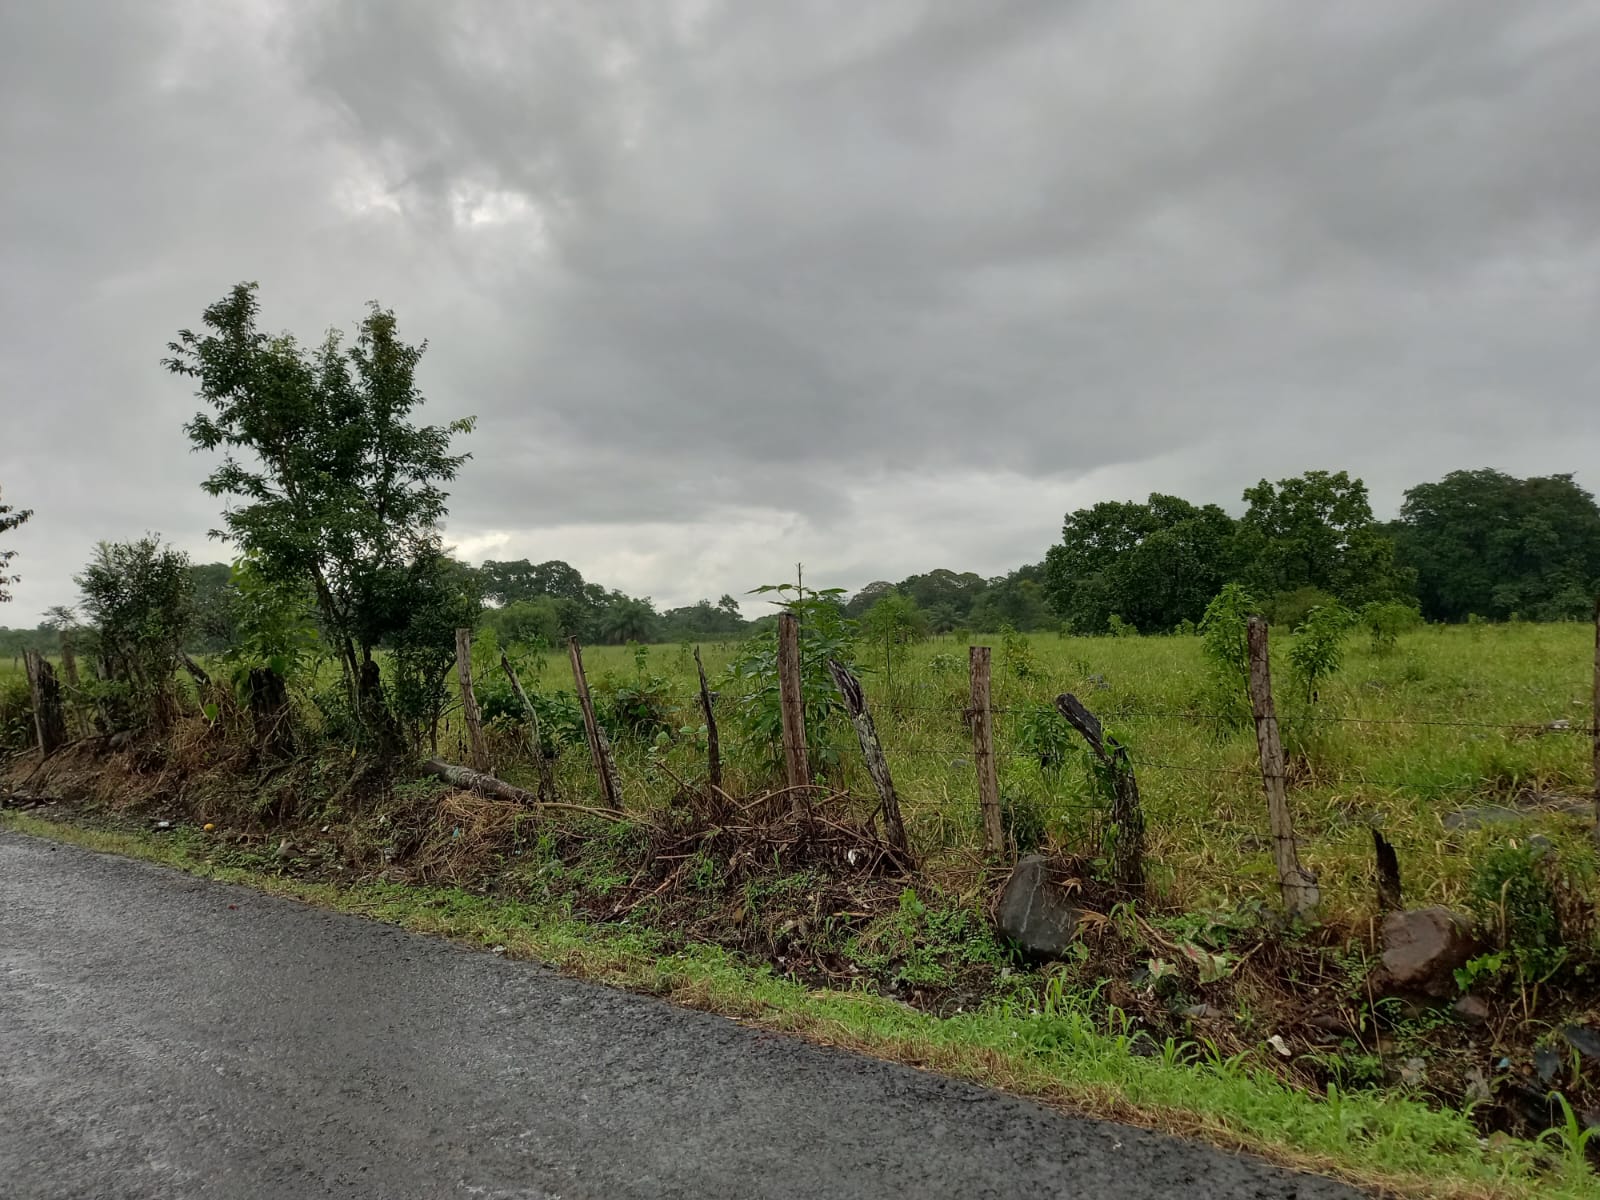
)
(488, 785)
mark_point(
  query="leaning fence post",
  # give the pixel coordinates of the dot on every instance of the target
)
(855, 704)
(713, 747)
(1127, 814)
(994, 836)
(469, 702)
(547, 775)
(1299, 886)
(599, 747)
(49, 720)
(791, 700)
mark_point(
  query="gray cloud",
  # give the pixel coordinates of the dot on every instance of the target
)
(883, 288)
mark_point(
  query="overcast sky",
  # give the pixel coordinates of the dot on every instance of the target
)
(880, 287)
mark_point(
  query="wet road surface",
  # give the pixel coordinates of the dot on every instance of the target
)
(163, 1036)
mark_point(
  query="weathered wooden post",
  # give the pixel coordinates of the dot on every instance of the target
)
(713, 747)
(855, 704)
(547, 775)
(470, 713)
(599, 746)
(1391, 898)
(49, 719)
(792, 705)
(1127, 814)
(994, 834)
(1299, 886)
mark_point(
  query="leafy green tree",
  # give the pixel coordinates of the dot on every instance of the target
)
(626, 619)
(1489, 543)
(272, 624)
(439, 595)
(139, 597)
(1155, 564)
(1316, 530)
(703, 620)
(534, 623)
(959, 590)
(329, 480)
(10, 519)
(1017, 601)
(215, 602)
(1317, 651)
(1224, 633)
(867, 597)
(893, 625)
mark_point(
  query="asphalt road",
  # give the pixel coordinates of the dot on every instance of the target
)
(162, 1036)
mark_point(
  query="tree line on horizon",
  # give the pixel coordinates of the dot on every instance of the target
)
(335, 500)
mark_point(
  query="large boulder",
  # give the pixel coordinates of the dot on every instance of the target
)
(1423, 947)
(1034, 913)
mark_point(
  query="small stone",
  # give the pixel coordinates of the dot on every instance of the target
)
(1545, 1064)
(1472, 1010)
(1422, 948)
(1202, 1012)
(1477, 818)
(1034, 913)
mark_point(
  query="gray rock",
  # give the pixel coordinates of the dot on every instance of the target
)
(1034, 913)
(1476, 818)
(1585, 1041)
(1472, 1010)
(1422, 949)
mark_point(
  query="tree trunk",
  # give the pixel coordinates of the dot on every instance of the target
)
(1127, 814)
(547, 775)
(1299, 886)
(469, 702)
(1390, 896)
(994, 834)
(599, 747)
(855, 704)
(269, 711)
(49, 718)
(477, 781)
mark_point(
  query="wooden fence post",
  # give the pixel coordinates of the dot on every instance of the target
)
(69, 661)
(713, 747)
(547, 775)
(49, 719)
(599, 747)
(1127, 814)
(855, 703)
(1299, 886)
(1594, 719)
(791, 699)
(994, 835)
(469, 702)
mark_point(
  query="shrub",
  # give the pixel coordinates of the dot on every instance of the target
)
(1385, 621)
(1513, 895)
(1317, 652)
(1224, 642)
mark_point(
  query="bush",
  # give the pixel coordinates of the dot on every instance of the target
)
(1224, 641)
(1513, 895)
(1317, 652)
(1385, 621)
(1293, 607)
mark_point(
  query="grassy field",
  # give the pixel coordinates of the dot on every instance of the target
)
(1458, 741)
(1442, 744)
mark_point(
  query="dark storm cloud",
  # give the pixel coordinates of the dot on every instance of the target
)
(881, 287)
